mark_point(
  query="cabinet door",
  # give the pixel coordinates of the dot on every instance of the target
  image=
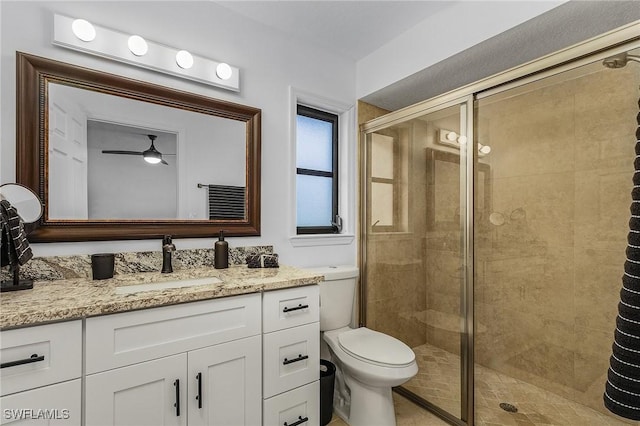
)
(225, 379)
(151, 393)
(50, 405)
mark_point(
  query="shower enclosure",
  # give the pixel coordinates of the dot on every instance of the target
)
(493, 235)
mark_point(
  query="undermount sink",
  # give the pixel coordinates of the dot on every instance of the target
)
(136, 288)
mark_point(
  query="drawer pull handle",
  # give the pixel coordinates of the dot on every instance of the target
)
(33, 358)
(177, 404)
(295, 308)
(298, 422)
(199, 396)
(291, 361)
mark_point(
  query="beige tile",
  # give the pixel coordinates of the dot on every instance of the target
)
(407, 414)
(439, 370)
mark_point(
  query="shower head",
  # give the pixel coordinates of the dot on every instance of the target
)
(619, 60)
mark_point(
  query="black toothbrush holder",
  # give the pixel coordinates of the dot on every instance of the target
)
(102, 265)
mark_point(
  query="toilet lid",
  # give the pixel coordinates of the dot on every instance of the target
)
(376, 347)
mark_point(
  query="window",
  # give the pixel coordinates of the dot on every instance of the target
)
(387, 170)
(383, 183)
(316, 171)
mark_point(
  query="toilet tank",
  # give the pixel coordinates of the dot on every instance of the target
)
(337, 293)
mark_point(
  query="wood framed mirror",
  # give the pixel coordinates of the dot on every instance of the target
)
(82, 140)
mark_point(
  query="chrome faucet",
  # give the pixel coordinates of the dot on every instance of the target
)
(167, 248)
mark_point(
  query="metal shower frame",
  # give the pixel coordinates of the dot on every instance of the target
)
(611, 43)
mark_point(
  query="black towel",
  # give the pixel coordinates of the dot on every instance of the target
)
(226, 202)
(14, 247)
(622, 391)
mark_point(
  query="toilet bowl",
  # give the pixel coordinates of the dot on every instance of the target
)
(368, 363)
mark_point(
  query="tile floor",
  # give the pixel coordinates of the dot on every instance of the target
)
(438, 382)
(407, 414)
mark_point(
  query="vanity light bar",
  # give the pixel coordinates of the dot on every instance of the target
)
(113, 44)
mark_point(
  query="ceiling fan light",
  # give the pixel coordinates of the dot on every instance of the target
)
(152, 157)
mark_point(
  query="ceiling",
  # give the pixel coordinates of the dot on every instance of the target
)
(352, 28)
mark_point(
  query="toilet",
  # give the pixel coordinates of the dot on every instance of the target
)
(368, 363)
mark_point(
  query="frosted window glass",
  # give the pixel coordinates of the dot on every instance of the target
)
(381, 156)
(314, 144)
(381, 204)
(314, 198)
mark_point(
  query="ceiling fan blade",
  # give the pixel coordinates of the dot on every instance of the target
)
(165, 163)
(111, 151)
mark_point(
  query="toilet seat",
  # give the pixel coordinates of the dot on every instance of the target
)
(376, 348)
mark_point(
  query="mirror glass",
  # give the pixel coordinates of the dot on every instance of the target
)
(116, 158)
(24, 200)
(97, 169)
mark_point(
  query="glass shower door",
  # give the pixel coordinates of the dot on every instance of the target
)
(416, 249)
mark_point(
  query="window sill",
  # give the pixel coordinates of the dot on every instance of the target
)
(321, 240)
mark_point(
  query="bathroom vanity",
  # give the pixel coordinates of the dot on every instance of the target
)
(241, 349)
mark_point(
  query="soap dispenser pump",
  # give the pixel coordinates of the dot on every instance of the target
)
(221, 253)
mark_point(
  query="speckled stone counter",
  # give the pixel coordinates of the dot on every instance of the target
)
(82, 297)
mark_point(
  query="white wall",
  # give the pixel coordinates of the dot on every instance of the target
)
(451, 30)
(269, 63)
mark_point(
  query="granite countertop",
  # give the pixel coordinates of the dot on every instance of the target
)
(81, 297)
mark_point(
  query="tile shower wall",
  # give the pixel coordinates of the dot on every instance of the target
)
(548, 278)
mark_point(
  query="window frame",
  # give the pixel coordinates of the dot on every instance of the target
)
(332, 118)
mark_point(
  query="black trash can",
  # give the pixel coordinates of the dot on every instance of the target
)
(327, 378)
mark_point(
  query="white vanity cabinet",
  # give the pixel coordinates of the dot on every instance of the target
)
(40, 374)
(190, 364)
(291, 357)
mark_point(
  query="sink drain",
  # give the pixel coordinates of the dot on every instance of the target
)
(508, 407)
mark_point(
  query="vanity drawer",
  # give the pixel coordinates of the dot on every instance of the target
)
(290, 307)
(291, 358)
(58, 356)
(123, 339)
(294, 406)
(61, 402)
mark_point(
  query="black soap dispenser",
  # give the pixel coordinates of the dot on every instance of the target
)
(221, 253)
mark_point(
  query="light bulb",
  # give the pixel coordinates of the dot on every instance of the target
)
(152, 160)
(224, 71)
(485, 149)
(184, 59)
(451, 136)
(83, 30)
(462, 140)
(137, 45)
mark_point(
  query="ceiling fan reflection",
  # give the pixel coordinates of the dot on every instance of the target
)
(150, 155)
